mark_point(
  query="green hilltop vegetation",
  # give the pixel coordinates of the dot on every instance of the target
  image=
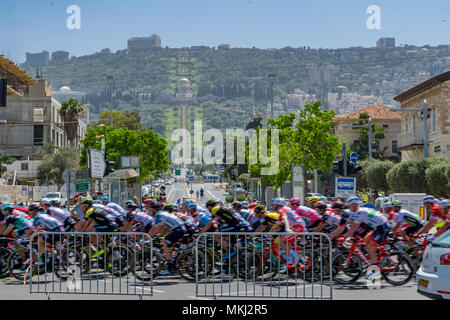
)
(234, 78)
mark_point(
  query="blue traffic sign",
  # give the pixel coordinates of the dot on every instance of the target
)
(353, 157)
(191, 179)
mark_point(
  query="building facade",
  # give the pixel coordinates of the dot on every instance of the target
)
(386, 43)
(37, 59)
(65, 93)
(381, 116)
(60, 56)
(436, 91)
(139, 46)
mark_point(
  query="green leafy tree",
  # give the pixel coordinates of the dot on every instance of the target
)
(437, 177)
(127, 119)
(151, 149)
(55, 160)
(361, 146)
(376, 172)
(5, 159)
(70, 112)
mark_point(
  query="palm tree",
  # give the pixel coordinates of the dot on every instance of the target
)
(70, 112)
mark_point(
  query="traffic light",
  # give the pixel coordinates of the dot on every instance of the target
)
(338, 167)
(352, 168)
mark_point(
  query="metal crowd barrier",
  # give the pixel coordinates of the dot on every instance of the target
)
(257, 267)
(101, 263)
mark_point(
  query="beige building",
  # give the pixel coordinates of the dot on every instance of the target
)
(381, 116)
(436, 91)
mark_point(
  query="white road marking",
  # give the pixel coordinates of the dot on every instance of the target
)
(198, 298)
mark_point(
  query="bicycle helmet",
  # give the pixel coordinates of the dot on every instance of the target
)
(131, 205)
(45, 202)
(428, 198)
(396, 203)
(8, 208)
(128, 201)
(168, 207)
(313, 199)
(444, 203)
(88, 201)
(354, 200)
(260, 209)
(155, 205)
(104, 199)
(386, 205)
(321, 205)
(34, 207)
(294, 201)
(186, 202)
(236, 204)
(244, 204)
(211, 203)
(54, 203)
(278, 201)
(337, 205)
(192, 206)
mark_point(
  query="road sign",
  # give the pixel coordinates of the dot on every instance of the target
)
(353, 157)
(221, 168)
(177, 172)
(81, 186)
(191, 179)
(345, 187)
(96, 163)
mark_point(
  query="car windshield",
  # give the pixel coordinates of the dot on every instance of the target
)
(51, 195)
(443, 240)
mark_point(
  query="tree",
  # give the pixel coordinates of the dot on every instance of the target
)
(55, 160)
(151, 149)
(127, 119)
(5, 159)
(70, 112)
(437, 177)
(361, 146)
(411, 175)
(376, 172)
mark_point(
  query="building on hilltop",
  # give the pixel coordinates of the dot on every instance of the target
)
(436, 91)
(223, 47)
(65, 93)
(386, 43)
(37, 59)
(139, 46)
(60, 56)
(382, 116)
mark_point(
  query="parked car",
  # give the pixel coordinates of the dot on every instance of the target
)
(434, 273)
(55, 196)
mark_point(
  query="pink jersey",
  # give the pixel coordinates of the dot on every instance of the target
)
(309, 215)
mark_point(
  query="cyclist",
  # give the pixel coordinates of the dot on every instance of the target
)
(168, 226)
(111, 210)
(334, 223)
(237, 206)
(14, 220)
(379, 229)
(113, 206)
(440, 211)
(309, 215)
(402, 216)
(44, 222)
(311, 201)
(98, 218)
(62, 215)
(134, 215)
(201, 218)
(257, 217)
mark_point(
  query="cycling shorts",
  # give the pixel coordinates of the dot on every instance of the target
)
(69, 224)
(21, 232)
(412, 229)
(174, 235)
(52, 238)
(380, 233)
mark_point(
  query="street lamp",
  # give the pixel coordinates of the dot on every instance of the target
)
(369, 126)
(424, 112)
(110, 79)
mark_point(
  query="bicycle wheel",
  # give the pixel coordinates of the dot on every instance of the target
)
(66, 263)
(343, 272)
(243, 266)
(187, 267)
(4, 254)
(403, 268)
(416, 255)
(314, 266)
(143, 266)
(19, 264)
(118, 261)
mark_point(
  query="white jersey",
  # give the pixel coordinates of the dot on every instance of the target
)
(108, 210)
(404, 216)
(142, 217)
(370, 217)
(60, 214)
(115, 207)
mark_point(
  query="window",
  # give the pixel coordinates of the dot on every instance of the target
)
(406, 125)
(38, 135)
(24, 166)
(385, 126)
(433, 120)
(394, 146)
(38, 115)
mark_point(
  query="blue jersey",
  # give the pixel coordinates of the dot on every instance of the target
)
(202, 219)
(48, 222)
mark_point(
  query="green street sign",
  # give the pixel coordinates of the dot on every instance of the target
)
(81, 185)
(177, 172)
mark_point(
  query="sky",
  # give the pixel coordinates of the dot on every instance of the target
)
(36, 25)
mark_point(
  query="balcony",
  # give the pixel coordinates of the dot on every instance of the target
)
(410, 139)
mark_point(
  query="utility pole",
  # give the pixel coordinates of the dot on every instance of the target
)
(369, 127)
(110, 79)
(344, 145)
(271, 79)
(424, 110)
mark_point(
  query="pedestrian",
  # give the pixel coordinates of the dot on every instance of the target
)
(197, 194)
(202, 193)
(135, 200)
